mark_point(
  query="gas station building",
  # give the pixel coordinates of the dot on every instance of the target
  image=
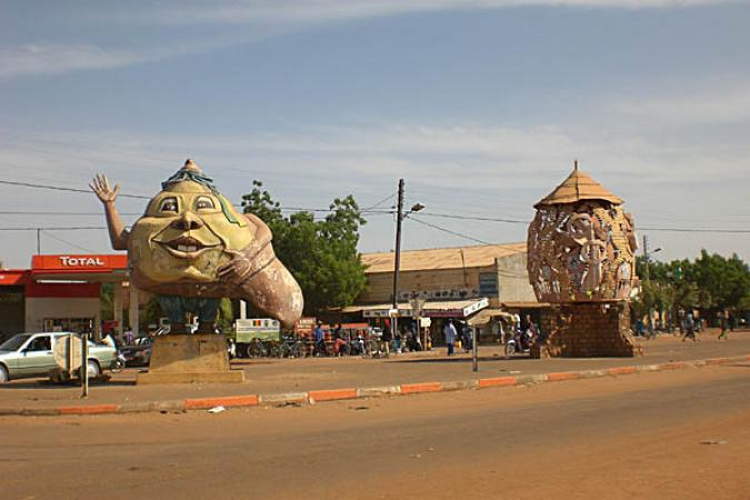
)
(62, 293)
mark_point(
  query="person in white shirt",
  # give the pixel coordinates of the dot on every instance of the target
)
(450, 336)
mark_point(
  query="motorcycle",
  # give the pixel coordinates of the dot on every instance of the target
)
(119, 363)
(521, 342)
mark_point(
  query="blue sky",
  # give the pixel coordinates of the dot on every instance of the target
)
(481, 105)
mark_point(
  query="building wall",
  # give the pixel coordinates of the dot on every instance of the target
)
(40, 308)
(380, 285)
(11, 311)
(513, 279)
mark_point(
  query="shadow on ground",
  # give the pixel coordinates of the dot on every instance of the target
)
(481, 359)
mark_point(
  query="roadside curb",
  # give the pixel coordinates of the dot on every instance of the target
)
(319, 396)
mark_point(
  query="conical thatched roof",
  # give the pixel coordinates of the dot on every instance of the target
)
(578, 186)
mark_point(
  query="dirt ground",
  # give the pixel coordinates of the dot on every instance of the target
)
(270, 376)
(639, 436)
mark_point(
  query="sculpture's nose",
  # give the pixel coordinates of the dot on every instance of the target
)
(188, 222)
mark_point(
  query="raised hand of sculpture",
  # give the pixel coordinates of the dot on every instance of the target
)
(191, 248)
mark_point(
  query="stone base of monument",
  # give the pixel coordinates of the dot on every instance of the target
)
(587, 330)
(190, 359)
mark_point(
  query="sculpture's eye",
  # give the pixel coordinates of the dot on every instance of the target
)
(168, 205)
(204, 203)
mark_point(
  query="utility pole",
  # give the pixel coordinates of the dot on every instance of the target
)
(397, 264)
(646, 258)
(38, 241)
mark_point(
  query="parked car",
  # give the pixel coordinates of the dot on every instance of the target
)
(138, 354)
(32, 355)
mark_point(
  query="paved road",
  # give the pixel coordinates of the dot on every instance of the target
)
(630, 437)
(300, 375)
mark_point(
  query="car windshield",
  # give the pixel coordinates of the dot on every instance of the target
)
(14, 343)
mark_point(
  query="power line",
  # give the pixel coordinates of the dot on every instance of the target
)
(70, 228)
(67, 242)
(691, 230)
(411, 217)
(47, 213)
(469, 217)
(60, 188)
(370, 210)
(376, 205)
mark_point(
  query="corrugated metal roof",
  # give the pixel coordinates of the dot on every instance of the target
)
(437, 305)
(441, 258)
(578, 186)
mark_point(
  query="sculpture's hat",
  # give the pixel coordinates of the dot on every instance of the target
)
(577, 187)
(191, 166)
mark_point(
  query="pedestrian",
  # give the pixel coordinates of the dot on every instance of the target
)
(129, 337)
(724, 323)
(320, 340)
(467, 334)
(338, 333)
(689, 327)
(450, 336)
(387, 337)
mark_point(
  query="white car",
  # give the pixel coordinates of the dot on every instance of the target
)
(29, 355)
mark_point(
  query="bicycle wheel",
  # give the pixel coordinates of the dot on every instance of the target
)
(256, 349)
(273, 349)
(298, 349)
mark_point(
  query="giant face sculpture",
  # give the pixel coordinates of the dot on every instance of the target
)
(192, 247)
(581, 244)
(184, 235)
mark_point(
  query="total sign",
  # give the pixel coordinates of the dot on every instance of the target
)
(67, 261)
(42, 264)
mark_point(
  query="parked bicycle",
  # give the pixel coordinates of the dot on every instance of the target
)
(293, 347)
(256, 349)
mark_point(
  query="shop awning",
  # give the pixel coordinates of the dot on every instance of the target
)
(525, 305)
(486, 315)
(431, 309)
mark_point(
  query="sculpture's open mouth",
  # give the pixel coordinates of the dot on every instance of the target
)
(186, 247)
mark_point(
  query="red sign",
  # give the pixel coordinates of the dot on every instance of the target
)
(12, 277)
(78, 263)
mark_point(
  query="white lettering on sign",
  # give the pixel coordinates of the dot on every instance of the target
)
(67, 261)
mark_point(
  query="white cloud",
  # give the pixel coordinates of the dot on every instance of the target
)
(53, 58)
(306, 11)
(715, 104)
(56, 58)
(262, 18)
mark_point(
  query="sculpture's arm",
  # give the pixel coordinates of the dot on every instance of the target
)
(263, 279)
(118, 235)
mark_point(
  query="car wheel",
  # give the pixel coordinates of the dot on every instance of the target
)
(4, 377)
(92, 367)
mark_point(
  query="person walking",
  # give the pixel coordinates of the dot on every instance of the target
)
(450, 336)
(320, 340)
(724, 323)
(467, 334)
(689, 327)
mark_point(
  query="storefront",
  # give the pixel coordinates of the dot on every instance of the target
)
(469, 285)
(62, 293)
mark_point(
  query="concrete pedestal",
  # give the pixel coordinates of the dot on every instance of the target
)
(188, 359)
(587, 330)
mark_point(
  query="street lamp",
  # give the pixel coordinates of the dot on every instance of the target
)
(400, 216)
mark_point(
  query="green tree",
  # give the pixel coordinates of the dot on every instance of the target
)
(712, 283)
(723, 282)
(321, 254)
(107, 301)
